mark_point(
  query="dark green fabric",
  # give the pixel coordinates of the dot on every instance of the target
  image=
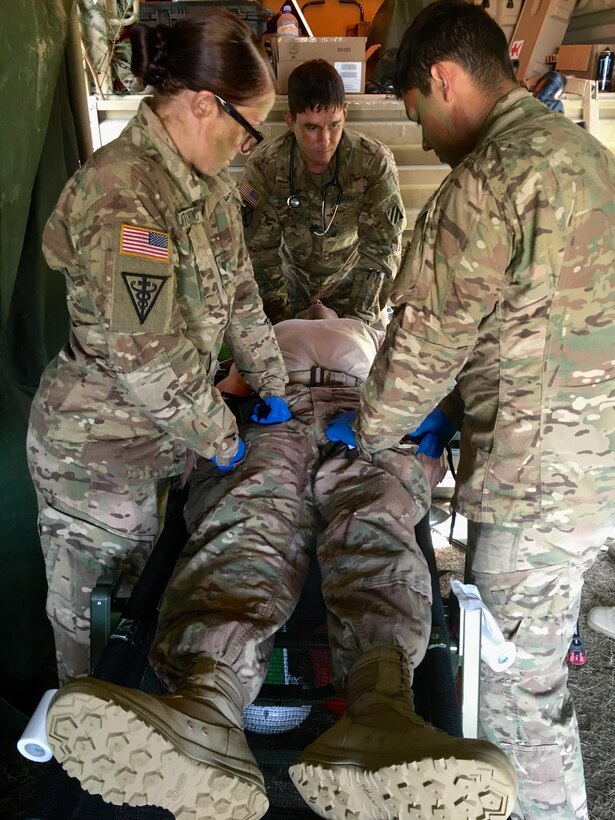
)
(33, 43)
(37, 154)
(37, 321)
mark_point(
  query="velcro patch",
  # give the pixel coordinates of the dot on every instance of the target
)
(394, 214)
(145, 243)
(249, 194)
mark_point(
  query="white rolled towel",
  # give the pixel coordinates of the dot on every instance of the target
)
(498, 653)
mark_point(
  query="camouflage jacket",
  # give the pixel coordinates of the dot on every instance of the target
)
(509, 289)
(352, 267)
(157, 275)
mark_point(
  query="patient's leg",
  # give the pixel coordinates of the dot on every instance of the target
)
(241, 573)
(237, 582)
(381, 760)
(376, 581)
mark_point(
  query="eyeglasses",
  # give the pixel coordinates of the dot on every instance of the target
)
(254, 136)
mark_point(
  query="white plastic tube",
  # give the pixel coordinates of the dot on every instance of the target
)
(498, 653)
(33, 742)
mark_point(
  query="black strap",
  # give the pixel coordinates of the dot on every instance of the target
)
(241, 407)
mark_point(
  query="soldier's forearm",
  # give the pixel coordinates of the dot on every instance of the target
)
(176, 393)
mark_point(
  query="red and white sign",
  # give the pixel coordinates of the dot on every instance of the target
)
(515, 49)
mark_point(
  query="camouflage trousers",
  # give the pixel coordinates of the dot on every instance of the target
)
(242, 571)
(88, 524)
(535, 594)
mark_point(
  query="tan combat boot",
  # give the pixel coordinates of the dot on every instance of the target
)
(383, 762)
(185, 752)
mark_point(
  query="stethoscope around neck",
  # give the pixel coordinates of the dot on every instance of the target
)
(294, 199)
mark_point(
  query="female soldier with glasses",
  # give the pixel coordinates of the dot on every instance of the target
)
(148, 234)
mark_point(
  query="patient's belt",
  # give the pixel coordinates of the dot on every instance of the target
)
(322, 377)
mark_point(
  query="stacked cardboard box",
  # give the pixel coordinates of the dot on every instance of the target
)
(346, 54)
(580, 60)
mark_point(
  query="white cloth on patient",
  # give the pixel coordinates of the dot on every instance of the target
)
(346, 345)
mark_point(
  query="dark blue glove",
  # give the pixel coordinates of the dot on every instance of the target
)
(271, 410)
(241, 451)
(340, 429)
(433, 433)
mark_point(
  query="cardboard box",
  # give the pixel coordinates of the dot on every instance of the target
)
(358, 29)
(346, 54)
(580, 60)
(539, 31)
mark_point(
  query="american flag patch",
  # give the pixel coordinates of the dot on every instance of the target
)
(249, 194)
(143, 242)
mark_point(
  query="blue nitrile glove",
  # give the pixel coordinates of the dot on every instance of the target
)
(271, 410)
(340, 429)
(241, 451)
(433, 433)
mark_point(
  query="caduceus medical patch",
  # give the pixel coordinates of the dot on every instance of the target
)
(143, 289)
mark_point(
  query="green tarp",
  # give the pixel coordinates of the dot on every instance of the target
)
(37, 154)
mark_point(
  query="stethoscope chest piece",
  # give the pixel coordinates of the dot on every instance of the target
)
(294, 200)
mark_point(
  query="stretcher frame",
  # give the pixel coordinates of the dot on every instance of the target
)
(124, 647)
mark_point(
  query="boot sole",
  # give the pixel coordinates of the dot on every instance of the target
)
(116, 754)
(428, 789)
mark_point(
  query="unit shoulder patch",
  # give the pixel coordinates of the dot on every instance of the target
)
(246, 215)
(394, 214)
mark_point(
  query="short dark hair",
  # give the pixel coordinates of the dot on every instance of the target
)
(314, 85)
(211, 49)
(458, 31)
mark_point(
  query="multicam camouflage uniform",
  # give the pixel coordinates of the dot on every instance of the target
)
(240, 576)
(353, 265)
(157, 275)
(508, 288)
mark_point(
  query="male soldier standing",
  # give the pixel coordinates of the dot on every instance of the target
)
(323, 213)
(508, 288)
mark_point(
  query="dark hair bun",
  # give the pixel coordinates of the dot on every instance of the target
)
(157, 70)
(150, 53)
